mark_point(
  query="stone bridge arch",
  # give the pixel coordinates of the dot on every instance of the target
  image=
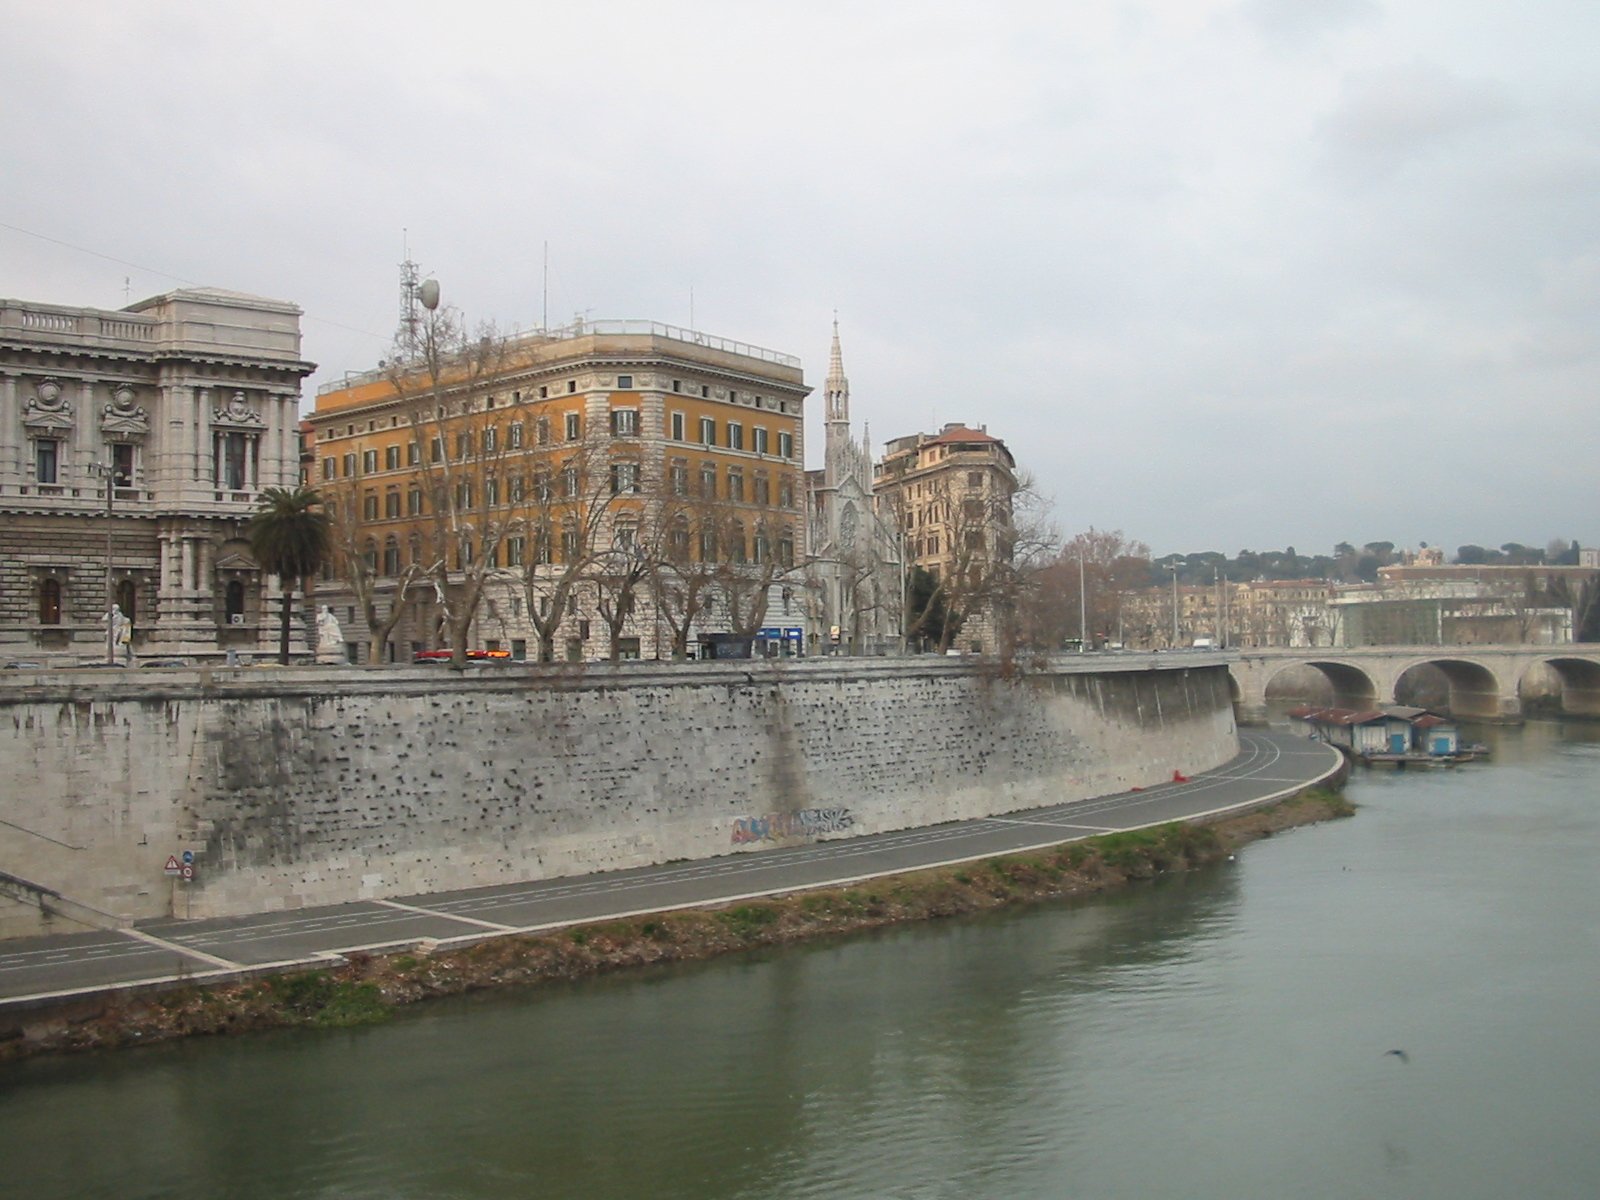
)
(1476, 692)
(1351, 687)
(1579, 679)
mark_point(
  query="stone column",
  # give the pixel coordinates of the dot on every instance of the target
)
(11, 422)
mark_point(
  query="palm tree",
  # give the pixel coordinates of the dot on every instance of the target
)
(290, 538)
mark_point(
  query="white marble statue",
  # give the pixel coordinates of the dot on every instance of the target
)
(330, 639)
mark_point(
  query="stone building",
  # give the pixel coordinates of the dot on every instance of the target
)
(855, 581)
(134, 445)
(628, 467)
(949, 496)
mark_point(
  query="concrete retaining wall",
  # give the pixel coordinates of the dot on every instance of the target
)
(304, 787)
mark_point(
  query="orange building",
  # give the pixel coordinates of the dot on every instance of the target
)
(580, 456)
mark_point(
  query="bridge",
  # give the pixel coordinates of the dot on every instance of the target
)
(1487, 683)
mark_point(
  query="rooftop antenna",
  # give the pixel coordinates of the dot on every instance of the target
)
(544, 316)
(691, 306)
(408, 301)
(126, 285)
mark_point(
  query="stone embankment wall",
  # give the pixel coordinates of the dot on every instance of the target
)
(302, 787)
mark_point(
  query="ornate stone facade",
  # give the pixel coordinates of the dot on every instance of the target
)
(133, 446)
(854, 579)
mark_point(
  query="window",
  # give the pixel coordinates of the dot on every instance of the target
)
(330, 468)
(349, 462)
(708, 481)
(122, 463)
(974, 479)
(413, 454)
(569, 480)
(491, 439)
(677, 385)
(463, 445)
(234, 449)
(735, 436)
(233, 602)
(572, 386)
(569, 553)
(544, 393)
(624, 477)
(391, 558)
(574, 426)
(516, 435)
(786, 549)
(763, 545)
(763, 490)
(785, 444)
(735, 484)
(543, 431)
(625, 383)
(45, 454)
(624, 536)
(759, 433)
(708, 432)
(436, 450)
(785, 492)
(708, 542)
(680, 479)
(736, 541)
(518, 485)
(678, 541)
(677, 426)
(391, 458)
(369, 506)
(369, 461)
(624, 422)
(414, 502)
(514, 551)
(464, 494)
(491, 491)
(49, 601)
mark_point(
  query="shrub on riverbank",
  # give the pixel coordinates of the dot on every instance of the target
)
(367, 988)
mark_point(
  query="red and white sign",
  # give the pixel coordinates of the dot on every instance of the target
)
(172, 865)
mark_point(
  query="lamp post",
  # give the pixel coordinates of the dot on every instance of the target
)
(1174, 569)
(1083, 608)
(109, 473)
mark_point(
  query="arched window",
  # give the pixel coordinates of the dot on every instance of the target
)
(49, 602)
(127, 598)
(233, 602)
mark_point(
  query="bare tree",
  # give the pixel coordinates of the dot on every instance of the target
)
(460, 449)
(1055, 611)
(562, 498)
(683, 572)
(373, 571)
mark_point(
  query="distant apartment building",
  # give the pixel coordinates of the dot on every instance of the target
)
(949, 496)
(626, 471)
(134, 444)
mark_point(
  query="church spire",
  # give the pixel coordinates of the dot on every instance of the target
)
(836, 388)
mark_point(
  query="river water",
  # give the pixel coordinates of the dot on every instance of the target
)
(1224, 1034)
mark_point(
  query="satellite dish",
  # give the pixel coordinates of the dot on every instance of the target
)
(428, 293)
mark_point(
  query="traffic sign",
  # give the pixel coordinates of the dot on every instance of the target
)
(172, 867)
(188, 858)
(188, 874)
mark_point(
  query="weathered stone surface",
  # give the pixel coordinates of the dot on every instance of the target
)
(320, 786)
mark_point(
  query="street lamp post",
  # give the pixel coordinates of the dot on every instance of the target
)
(1083, 609)
(109, 473)
(1174, 569)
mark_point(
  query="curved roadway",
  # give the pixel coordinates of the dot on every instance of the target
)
(1269, 766)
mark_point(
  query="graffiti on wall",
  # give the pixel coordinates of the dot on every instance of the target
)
(808, 824)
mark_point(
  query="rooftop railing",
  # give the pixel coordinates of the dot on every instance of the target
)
(607, 328)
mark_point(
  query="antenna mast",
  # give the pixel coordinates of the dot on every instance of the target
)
(408, 302)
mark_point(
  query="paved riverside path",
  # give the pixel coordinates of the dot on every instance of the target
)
(1269, 765)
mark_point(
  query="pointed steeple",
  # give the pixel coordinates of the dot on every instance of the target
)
(836, 388)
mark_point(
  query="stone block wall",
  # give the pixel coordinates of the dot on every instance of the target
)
(311, 787)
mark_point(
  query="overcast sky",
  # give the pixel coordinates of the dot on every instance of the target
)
(1224, 273)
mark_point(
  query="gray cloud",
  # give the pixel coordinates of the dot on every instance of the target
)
(1224, 275)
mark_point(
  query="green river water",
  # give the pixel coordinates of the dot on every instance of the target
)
(1223, 1034)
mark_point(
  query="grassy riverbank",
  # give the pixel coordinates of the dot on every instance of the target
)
(368, 988)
